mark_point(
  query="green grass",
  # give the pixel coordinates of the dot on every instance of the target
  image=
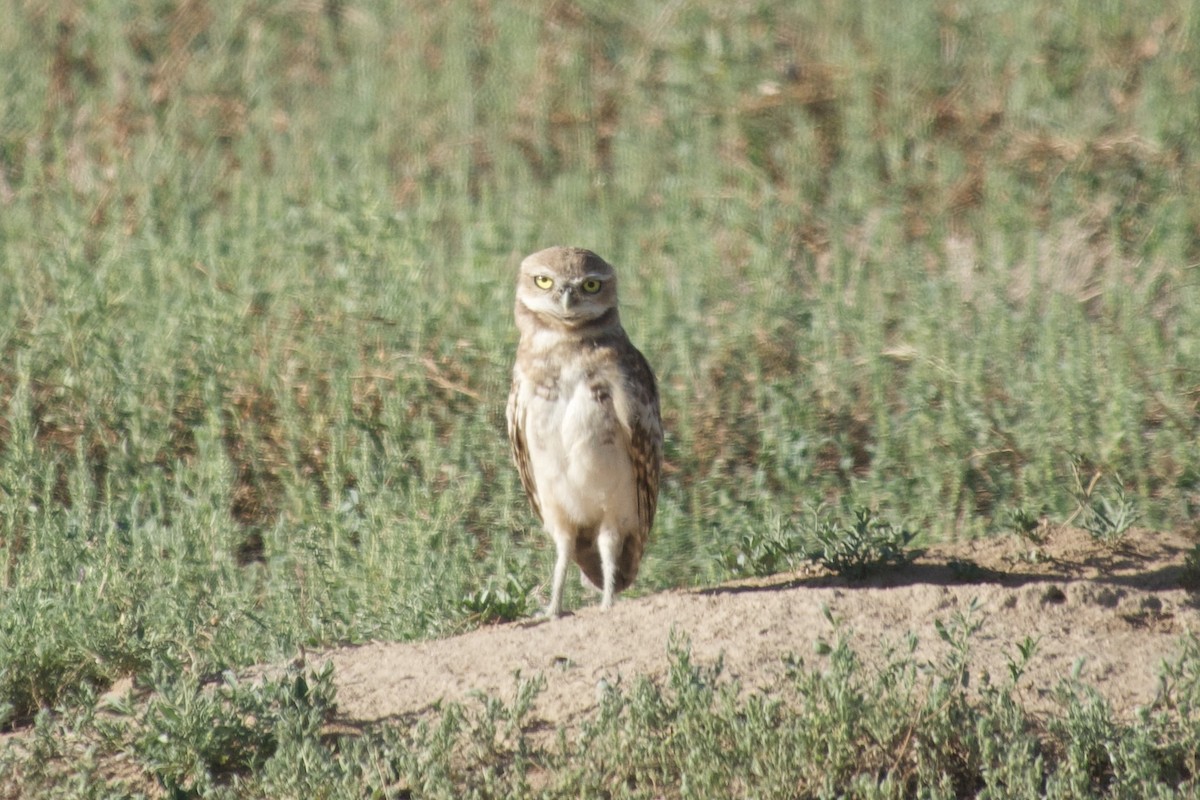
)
(257, 275)
(833, 726)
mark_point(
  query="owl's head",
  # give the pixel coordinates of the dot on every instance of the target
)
(569, 285)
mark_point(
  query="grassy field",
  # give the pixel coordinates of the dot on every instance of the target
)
(256, 273)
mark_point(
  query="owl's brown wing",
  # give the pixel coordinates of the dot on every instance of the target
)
(520, 451)
(637, 410)
(645, 435)
(639, 414)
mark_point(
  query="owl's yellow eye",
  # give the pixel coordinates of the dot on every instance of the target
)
(591, 285)
(543, 282)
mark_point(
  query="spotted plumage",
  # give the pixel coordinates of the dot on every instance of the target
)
(583, 420)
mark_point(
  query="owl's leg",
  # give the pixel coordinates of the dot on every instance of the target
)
(564, 544)
(609, 544)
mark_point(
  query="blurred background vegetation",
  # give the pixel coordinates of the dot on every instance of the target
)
(257, 267)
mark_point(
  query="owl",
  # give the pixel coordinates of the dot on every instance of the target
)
(583, 420)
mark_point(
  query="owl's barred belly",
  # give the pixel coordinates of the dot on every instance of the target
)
(584, 445)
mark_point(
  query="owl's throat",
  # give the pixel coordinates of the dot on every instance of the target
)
(573, 321)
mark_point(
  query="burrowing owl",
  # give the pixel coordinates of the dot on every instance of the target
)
(583, 420)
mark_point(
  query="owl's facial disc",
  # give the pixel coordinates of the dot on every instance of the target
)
(572, 300)
(567, 286)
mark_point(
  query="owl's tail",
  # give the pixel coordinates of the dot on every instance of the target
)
(587, 556)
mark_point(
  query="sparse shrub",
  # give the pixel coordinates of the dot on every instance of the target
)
(1026, 524)
(1108, 519)
(967, 570)
(765, 550)
(1026, 649)
(193, 737)
(833, 724)
(1190, 579)
(491, 605)
(54, 647)
(868, 544)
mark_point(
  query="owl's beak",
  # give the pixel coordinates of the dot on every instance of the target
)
(568, 298)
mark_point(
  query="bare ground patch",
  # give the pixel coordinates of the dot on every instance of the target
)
(1114, 615)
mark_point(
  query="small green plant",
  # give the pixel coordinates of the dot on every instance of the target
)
(966, 570)
(1104, 509)
(958, 633)
(1017, 665)
(499, 728)
(490, 605)
(1190, 579)
(868, 544)
(193, 737)
(765, 550)
(1026, 524)
(1109, 519)
(1179, 679)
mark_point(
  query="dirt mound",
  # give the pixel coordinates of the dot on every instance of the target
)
(1114, 615)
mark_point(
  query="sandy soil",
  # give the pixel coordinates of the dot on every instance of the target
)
(1115, 614)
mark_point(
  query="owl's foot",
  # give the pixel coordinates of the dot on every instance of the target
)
(546, 615)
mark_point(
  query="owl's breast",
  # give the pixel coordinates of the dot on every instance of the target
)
(574, 419)
(579, 449)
